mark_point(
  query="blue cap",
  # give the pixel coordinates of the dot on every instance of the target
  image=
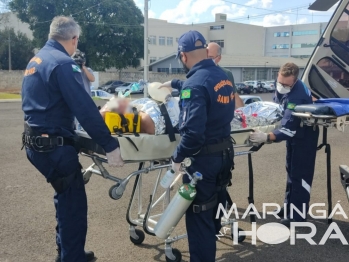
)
(186, 43)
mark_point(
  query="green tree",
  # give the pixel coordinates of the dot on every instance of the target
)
(22, 49)
(112, 34)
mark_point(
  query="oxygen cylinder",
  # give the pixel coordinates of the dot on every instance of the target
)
(177, 207)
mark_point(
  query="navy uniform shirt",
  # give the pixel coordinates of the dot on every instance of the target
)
(207, 103)
(300, 94)
(53, 93)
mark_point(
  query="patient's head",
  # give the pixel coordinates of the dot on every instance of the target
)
(118, 105)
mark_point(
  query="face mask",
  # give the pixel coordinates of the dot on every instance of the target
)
(283, 90)
(185, 68)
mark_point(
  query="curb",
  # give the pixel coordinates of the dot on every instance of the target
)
(10, 100)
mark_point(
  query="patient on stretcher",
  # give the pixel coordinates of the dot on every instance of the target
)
(151, 120)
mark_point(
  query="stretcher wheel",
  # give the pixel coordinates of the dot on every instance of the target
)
(113, 194)
(141, 237)
(177, 254)
(240, 238)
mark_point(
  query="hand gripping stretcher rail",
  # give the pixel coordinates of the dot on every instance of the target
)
(153, 153)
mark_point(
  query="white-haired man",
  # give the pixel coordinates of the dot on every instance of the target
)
(53, 93)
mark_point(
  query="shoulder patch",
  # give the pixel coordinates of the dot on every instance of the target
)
(291, 106)
(185, 94)
(76, 68)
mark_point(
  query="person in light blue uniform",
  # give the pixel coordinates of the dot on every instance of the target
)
(301, 143)
(52, 94)
(207, 103)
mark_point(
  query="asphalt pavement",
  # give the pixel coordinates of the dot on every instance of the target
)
(27, 220)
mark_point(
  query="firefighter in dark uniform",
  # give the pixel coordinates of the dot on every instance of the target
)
(301, 143)
(207, 102)
(52, 94)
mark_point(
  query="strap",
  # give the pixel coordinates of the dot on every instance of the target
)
(129, 140)
(229, 200)
(124, 123)
(211, 203)
(169, 128)
(135, 121)
(132, 143)
(62, 183)
(215, 148)
(117, 130)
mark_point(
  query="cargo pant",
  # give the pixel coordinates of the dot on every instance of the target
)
(300, 166)
(71, 204)
(203, 227)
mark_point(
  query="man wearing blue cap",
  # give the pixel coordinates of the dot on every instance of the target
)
(207, 102)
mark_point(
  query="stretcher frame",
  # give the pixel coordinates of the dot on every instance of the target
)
(325, 121)
(146, 219)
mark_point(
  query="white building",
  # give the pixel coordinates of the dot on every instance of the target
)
(249, 51)
(296, 41)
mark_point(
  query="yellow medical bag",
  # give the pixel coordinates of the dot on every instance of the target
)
(123, 123)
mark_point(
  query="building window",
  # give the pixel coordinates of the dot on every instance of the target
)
(152, 59)
(163, 70)
(248, 74)
(216, 27)
(162, 40)
(282, 46)
(300, 56)
(303, 45)
(282, 34)
(308, 32)
(170, 41)
(262, 74)
(152, 40)
(220, 42)
(177, 71)
(274, 74)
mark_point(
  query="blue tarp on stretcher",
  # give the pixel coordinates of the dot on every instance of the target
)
(333, 106)
(339, 106)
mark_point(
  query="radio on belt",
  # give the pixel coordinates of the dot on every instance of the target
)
(177, 207)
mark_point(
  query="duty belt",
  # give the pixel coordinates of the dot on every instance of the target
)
(215, 148)
(43, 142)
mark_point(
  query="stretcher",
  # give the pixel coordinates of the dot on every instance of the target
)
(326, 115)
(153, 153)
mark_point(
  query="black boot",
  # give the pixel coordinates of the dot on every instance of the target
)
(90, 256)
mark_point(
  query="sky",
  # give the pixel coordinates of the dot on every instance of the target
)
(256, 12)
